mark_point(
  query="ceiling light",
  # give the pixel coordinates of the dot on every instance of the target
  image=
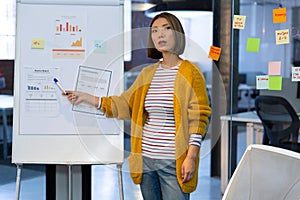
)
(141, 6)
(186, 9)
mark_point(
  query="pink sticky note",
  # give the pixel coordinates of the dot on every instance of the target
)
(274, 68)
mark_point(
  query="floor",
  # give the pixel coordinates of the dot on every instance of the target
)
(105, 180)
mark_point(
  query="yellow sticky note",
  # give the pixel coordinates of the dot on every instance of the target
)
(279, 15)
(253, 44)
(239, 21)
(214, 53)
(275, 82)
(282, 36)
(38, 43)
(274, 68)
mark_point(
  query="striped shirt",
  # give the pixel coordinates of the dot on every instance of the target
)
(159, 131)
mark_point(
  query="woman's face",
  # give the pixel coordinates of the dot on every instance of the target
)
(163, 35)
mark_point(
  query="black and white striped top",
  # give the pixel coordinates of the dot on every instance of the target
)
(159, 131)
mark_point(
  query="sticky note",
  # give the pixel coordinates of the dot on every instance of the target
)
(279, 15)
(295, 73)
(239, 21)
(262, 82)
(253, 44)
(275, 82)
(38, 43)
(214, 53)
(100, 46)
(274, 68)
(282, 36)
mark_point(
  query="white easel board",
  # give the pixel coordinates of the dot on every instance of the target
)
(81, 44)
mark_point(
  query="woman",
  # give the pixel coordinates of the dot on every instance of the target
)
(168, 107)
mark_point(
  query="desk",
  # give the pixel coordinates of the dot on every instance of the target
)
(6, 108)
(253, 123)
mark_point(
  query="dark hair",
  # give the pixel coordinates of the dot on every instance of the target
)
(179, 36)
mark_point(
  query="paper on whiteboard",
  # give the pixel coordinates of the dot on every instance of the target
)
(94, 81)
(40, 97)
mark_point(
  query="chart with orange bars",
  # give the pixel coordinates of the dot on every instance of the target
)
(77, 43)
(69, 37)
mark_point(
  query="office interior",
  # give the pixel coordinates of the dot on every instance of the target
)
(231, 83)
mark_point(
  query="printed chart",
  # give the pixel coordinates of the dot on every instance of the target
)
(94, 81)
(68, 37)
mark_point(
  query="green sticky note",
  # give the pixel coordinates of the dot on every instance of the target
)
(275, 82)
(253, 44)
(100, 46)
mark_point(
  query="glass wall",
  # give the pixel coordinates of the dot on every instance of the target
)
(267, 32)
(268, 51)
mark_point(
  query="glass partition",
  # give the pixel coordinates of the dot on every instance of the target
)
(268, 36)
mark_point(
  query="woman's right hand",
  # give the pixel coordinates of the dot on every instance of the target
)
(77, 97)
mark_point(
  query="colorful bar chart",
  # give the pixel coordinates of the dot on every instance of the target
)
(66, 27)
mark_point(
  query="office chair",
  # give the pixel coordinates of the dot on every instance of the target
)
(280, 122)
(265, 172)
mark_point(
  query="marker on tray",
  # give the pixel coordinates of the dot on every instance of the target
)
(59, 86)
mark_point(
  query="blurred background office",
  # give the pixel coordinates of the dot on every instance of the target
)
(231, 81)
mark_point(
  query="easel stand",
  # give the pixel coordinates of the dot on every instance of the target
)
(18, 181)
(71, 187)
(120, 180)
(70, 182)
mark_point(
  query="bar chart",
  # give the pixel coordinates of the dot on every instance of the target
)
(66, 26)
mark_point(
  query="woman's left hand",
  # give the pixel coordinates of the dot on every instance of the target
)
(187, 169)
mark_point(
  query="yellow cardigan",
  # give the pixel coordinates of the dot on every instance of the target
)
(191, 112)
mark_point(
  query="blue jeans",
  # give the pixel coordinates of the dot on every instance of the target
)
(159, 180)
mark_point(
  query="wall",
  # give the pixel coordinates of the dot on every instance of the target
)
(259, 23)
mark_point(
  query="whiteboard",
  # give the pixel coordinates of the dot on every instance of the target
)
(81, 46)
